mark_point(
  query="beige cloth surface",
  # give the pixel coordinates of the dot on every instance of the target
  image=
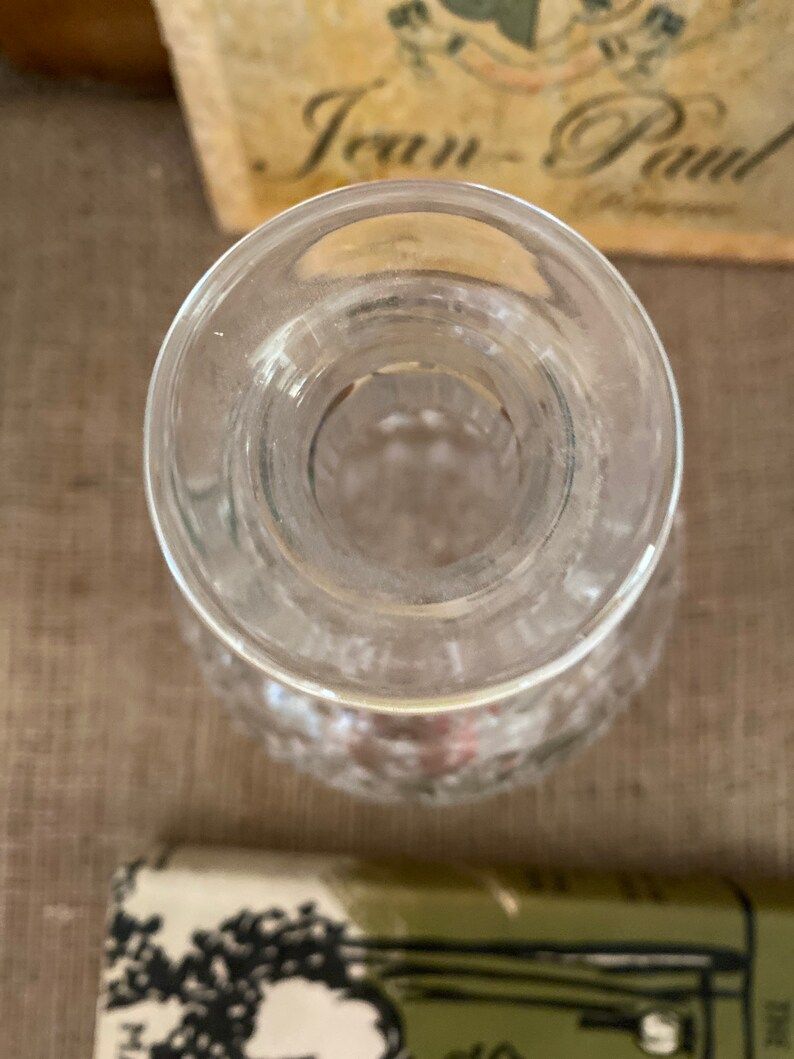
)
(109, 742)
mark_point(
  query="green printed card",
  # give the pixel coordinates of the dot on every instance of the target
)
(243, 955)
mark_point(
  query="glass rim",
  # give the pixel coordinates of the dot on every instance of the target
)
(196, 592)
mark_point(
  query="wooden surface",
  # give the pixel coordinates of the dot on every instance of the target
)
(108, 741)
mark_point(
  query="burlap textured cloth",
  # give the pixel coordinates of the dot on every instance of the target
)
(109, 741)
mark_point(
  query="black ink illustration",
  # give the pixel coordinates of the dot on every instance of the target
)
(228, 973)
(663, 997)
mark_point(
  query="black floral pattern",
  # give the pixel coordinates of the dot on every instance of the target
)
(223, 978)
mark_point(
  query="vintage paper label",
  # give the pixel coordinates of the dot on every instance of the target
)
(650, 125)
(239, 955)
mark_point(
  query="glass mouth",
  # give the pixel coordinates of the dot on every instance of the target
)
(415, 470)
(412, 445)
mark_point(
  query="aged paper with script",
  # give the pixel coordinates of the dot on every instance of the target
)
(652, 126)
